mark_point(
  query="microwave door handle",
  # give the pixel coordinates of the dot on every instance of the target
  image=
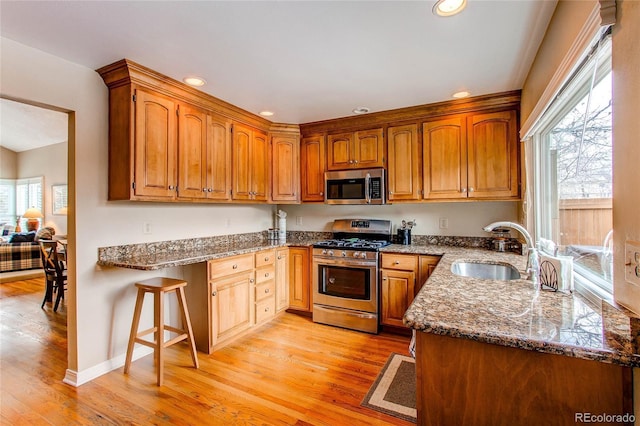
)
(367, 188)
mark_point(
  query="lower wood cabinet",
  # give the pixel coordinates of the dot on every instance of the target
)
(299, 279)
(401, 277)
(235, 294)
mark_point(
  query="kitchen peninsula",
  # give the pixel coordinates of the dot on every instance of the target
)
(498, 352)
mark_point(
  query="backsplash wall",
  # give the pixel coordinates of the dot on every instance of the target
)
(464, 219)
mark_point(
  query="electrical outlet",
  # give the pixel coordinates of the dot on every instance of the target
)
(146, 228)
(632, 262)
(443, 223)
(298, 220)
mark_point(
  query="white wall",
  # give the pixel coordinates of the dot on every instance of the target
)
(465, 219)
(100, 302)
(50, 162)
(626, 145)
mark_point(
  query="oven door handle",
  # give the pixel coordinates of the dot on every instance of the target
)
(339, 262)
(367, 188)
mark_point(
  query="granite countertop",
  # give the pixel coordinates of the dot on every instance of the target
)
(512, 313)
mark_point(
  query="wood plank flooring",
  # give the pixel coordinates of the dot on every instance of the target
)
(289, 372)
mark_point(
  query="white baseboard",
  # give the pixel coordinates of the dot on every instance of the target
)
(78, 378)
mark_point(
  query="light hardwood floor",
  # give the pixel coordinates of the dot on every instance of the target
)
(289, 372)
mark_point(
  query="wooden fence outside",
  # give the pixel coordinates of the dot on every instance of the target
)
(584, 221)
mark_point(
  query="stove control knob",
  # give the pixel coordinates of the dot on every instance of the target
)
(344, 253)
(363, 255)
(324, 251)
(330, 252)
(356, 254)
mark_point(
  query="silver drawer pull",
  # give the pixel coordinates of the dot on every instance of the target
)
(266, 259)
(266, 275)
(266, 309)
(235, 266)
(266, 290)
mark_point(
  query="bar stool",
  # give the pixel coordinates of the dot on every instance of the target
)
(159, 286)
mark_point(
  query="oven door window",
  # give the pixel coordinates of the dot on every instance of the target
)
(345, 189)
(350, 283)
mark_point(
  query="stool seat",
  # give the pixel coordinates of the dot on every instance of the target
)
(159, 286)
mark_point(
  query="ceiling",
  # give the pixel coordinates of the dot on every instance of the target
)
(305, 60)
(26, 127)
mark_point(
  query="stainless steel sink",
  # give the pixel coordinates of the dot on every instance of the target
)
(485, 270)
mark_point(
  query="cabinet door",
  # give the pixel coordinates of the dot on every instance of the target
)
(493, 155)
(368, 149)
(285, 168)
(339, 151)
(259, 166)
(192, 143)
(403, 170)
(241, 154)
(155, 146)
(282, 279)
(312, 162)
(299, 282)
(398, 290)
(444, 151)
(232, 305)
(426, 266)
(218, 158)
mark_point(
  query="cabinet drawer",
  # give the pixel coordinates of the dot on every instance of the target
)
(265, 309)
(264, 290)
(230, 265)
(265, 274)
(405, 262)
(266, 257)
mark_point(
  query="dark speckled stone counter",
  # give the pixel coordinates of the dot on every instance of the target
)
(512, 313)
(167, 254)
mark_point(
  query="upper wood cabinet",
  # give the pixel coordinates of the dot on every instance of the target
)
(218, 158)
(285, 168)
(403, 168)
(471, 156)
(312, 161)
(250, 164)
(154, 148)
(192, 146)
(356, 150)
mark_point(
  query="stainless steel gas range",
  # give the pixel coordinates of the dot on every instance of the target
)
(345, 274)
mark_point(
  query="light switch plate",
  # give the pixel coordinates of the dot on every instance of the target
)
(632, 262)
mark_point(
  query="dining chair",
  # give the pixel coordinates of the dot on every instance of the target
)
(55, 272)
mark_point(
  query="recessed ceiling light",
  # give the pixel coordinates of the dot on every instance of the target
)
(462, 94)
(361, 110)
(266, 113)
(194, 81)
(449, 7)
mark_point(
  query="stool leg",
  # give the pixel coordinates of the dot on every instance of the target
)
(134, 329)
(159, 324)
(187, 324)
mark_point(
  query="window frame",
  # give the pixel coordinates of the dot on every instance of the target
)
(545, 176)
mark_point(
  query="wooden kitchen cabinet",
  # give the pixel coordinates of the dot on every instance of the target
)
(356, 150)
(218, 158)
(404, 172)
(402, 277)
(312, 162)
(398, 282)
(299, 279)
(282, 279)
(250, 160)
(426, 265)
(285, 167)
(265, 289)
(471, 156)
(192, 149)
(231, 306)
(154, 147)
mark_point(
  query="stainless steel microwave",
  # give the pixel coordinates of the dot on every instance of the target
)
(365, 186)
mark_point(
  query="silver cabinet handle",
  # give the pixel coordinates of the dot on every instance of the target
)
(463, 190)
(322, 193)
(471, 189)
(266, 275)
(397, 262)
(235, 266)
(171, 187)
(266, 259)
(266, 309)
(266, 291)
(215, 293)
(355, 161)
(251, 280)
